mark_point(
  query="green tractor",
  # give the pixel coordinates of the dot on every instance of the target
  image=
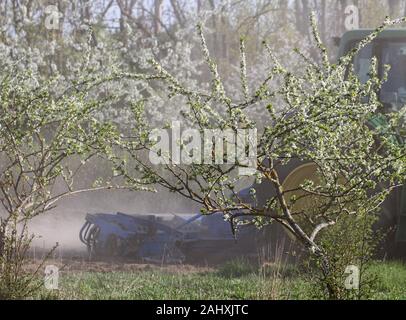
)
(390, 49)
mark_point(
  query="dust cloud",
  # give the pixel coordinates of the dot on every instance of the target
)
(62, 224)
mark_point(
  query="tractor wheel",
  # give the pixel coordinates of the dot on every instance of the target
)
(275, 235)
(388, 213)
(304, 201)
(292, 176)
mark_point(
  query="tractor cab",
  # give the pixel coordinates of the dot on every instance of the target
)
(390, 49)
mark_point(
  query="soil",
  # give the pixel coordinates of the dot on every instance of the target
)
(76, 265)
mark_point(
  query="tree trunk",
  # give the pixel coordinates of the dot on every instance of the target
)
(157, 16)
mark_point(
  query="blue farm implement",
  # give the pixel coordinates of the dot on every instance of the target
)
(167, 238)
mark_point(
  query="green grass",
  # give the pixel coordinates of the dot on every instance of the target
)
(232, 281)
(157, 285)
(391, 282)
